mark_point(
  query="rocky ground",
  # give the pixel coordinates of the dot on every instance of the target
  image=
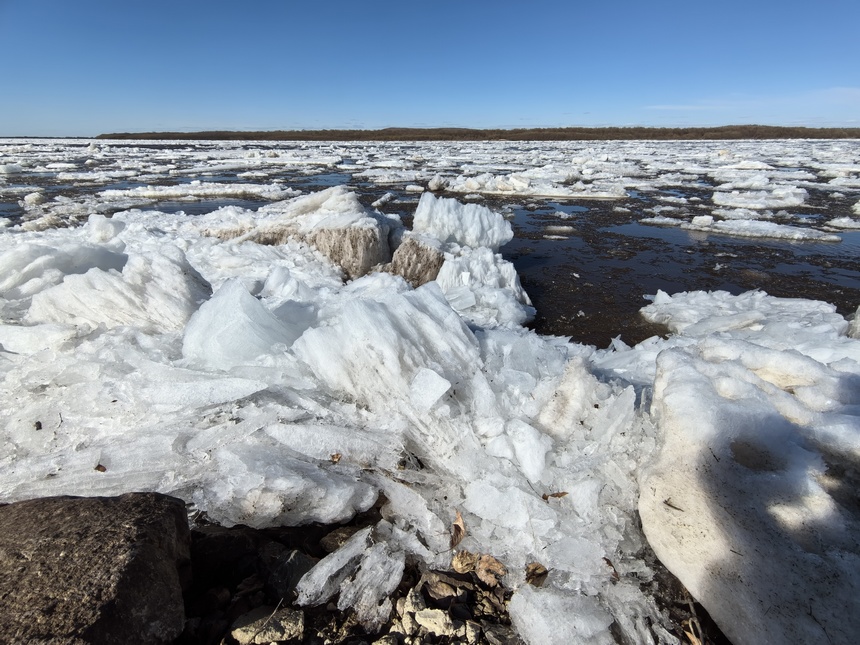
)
(244, 589)
(130, 569)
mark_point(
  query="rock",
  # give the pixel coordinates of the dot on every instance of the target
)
(396, 627)
(410, 625)
(266, 625)
(388, 639)
(501, 635)
(414, 602)
(212, 600)
(400, 606)
(436, 621)
(337, 538)
(287, 572)
(440, 590)
(271, 553)
(445, 588)
(473, 632)
(225, 554)
(93, 570)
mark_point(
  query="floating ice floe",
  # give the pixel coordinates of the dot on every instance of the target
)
(516, 184)
(847, 223)
(742, 213)
(845, 182)
(744, 228)
(559, 229)
(200, 190)
(778, 197)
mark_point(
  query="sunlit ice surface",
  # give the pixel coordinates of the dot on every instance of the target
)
(282, 333)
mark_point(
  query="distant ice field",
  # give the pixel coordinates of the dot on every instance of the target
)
(633, 211)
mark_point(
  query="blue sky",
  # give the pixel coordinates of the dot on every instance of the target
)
(82, 67)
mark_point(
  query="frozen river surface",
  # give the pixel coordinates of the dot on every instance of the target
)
(618, 342)
(588, 241)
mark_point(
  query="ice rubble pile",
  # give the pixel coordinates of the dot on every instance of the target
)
(476, 280)
(182, 355)
(755, 489)
(458, 242)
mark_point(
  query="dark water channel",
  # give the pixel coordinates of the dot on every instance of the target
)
(588, 267)
(591, 284)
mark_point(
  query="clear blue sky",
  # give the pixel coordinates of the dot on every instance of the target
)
(82, 67)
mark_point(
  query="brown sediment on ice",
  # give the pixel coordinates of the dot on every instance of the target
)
(415, 262)
(355, 249)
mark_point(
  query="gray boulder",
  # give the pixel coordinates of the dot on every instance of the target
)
(93, 570)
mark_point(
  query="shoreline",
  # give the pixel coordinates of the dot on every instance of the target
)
(728, 132)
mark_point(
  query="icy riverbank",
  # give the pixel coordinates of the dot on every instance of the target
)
(245, 362)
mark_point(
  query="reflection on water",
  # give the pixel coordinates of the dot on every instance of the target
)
(201, 207)
(849, 246)
(590, 286)
(11, 210)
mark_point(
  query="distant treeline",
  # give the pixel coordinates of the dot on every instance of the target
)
(515, 134)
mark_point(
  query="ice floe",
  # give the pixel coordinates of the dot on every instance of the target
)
(745, 228)
(847, 223)
(284, 365)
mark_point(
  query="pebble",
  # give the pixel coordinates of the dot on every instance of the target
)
(473, 632)
(414, 601)
(242, 573)
(436, 621)
(265, 625)
(410, 625)
(388, 639)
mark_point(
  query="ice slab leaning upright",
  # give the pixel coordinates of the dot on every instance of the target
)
(746, 500)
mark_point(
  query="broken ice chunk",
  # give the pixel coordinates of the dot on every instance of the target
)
(368, 591)
(530, 448)
(233, 328)
(364, 571)
(324, 580)
(427, 388)
(465, 224)
(549, 617)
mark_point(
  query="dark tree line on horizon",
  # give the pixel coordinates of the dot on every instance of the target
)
(516, 134)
